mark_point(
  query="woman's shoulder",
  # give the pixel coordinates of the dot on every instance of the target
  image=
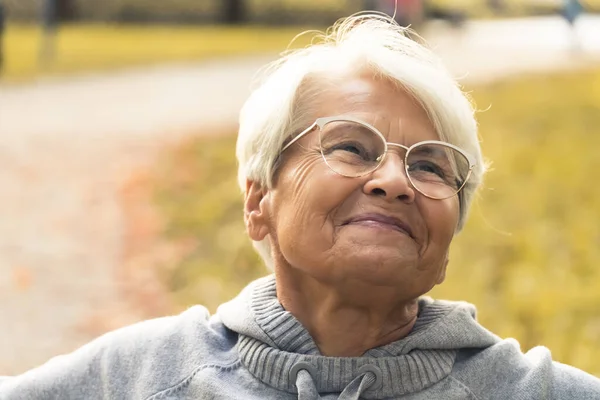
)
(188, 340)
(193, 323)
(503, 367)
(141, 358)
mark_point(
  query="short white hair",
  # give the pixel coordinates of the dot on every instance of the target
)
(280, 105)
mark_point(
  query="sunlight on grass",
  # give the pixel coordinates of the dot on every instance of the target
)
(100, 47)
(527, 258)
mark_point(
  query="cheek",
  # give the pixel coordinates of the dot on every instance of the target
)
(307, 196)
(297, 199)
(304, 188)
(441, 218)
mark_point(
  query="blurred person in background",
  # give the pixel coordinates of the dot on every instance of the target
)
(49, 24)
(358, 158)
(405, 12)
(54, 13)
(571, 11)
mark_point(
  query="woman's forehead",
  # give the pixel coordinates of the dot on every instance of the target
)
(380, 103)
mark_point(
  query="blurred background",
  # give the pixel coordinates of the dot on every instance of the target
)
(118, 193)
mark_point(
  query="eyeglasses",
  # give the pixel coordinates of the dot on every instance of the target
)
(353, 148)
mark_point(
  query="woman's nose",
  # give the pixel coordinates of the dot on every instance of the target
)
(390, 180)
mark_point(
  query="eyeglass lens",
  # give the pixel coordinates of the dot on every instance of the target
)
(352, 149)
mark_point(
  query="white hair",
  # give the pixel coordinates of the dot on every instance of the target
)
(280, 105)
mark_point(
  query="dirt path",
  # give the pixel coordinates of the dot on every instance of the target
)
(68, 146)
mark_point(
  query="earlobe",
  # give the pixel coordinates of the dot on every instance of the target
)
(442, 274)
(256, 211)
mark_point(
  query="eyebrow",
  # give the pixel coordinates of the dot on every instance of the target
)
(427, 150)
(348, 124)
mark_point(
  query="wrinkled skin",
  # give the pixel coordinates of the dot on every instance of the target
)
(370, 271)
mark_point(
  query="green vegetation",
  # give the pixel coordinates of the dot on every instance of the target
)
(97, 47)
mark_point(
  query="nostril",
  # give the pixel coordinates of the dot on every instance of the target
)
(378, 192)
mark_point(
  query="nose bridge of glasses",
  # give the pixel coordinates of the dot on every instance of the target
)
(393, 158)
(397, 145)
(400, 150)
(392, 169)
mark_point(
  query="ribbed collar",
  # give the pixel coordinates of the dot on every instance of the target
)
(275, 341)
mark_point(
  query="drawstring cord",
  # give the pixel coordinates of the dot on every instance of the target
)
(302, 374)
(307, 390)
(358, 386)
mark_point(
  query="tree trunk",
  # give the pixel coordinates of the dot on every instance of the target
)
(234, 11)
(66, 10)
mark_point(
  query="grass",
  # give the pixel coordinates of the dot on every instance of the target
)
(196, 192)
(527, 258)
(100, 47)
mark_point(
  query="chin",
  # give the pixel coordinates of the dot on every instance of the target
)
(381, 267)
(381, 248)
(394, 254)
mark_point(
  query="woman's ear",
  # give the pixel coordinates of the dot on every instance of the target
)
(442, 273)
(256, 211)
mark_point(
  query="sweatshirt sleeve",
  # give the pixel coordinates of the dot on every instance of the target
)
(503, 372)
(81, 374)
(557, 381)
(572, 383)
(130, 363)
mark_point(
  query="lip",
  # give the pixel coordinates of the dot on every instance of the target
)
(396, 223)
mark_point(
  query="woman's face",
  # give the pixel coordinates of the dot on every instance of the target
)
(313, 215)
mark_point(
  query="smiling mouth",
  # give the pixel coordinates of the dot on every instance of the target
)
(378, 221)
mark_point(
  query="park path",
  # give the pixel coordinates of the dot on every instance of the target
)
(67, 146)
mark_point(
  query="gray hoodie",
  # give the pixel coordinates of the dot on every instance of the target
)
(254, 349)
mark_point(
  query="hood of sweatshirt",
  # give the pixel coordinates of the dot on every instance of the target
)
(279, 351)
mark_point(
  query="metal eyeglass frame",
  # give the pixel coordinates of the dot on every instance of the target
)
(321, 122)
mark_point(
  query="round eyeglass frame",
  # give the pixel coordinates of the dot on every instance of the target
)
(321, 122)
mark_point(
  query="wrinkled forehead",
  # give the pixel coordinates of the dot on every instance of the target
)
(379, 102)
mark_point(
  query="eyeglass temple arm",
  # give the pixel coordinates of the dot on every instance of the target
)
(299, 136)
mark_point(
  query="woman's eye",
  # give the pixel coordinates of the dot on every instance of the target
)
(350, 148)
(428, 167)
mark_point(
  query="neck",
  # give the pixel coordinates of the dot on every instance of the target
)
(349, 319)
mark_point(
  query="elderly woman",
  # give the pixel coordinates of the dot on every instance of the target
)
(359, 158)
